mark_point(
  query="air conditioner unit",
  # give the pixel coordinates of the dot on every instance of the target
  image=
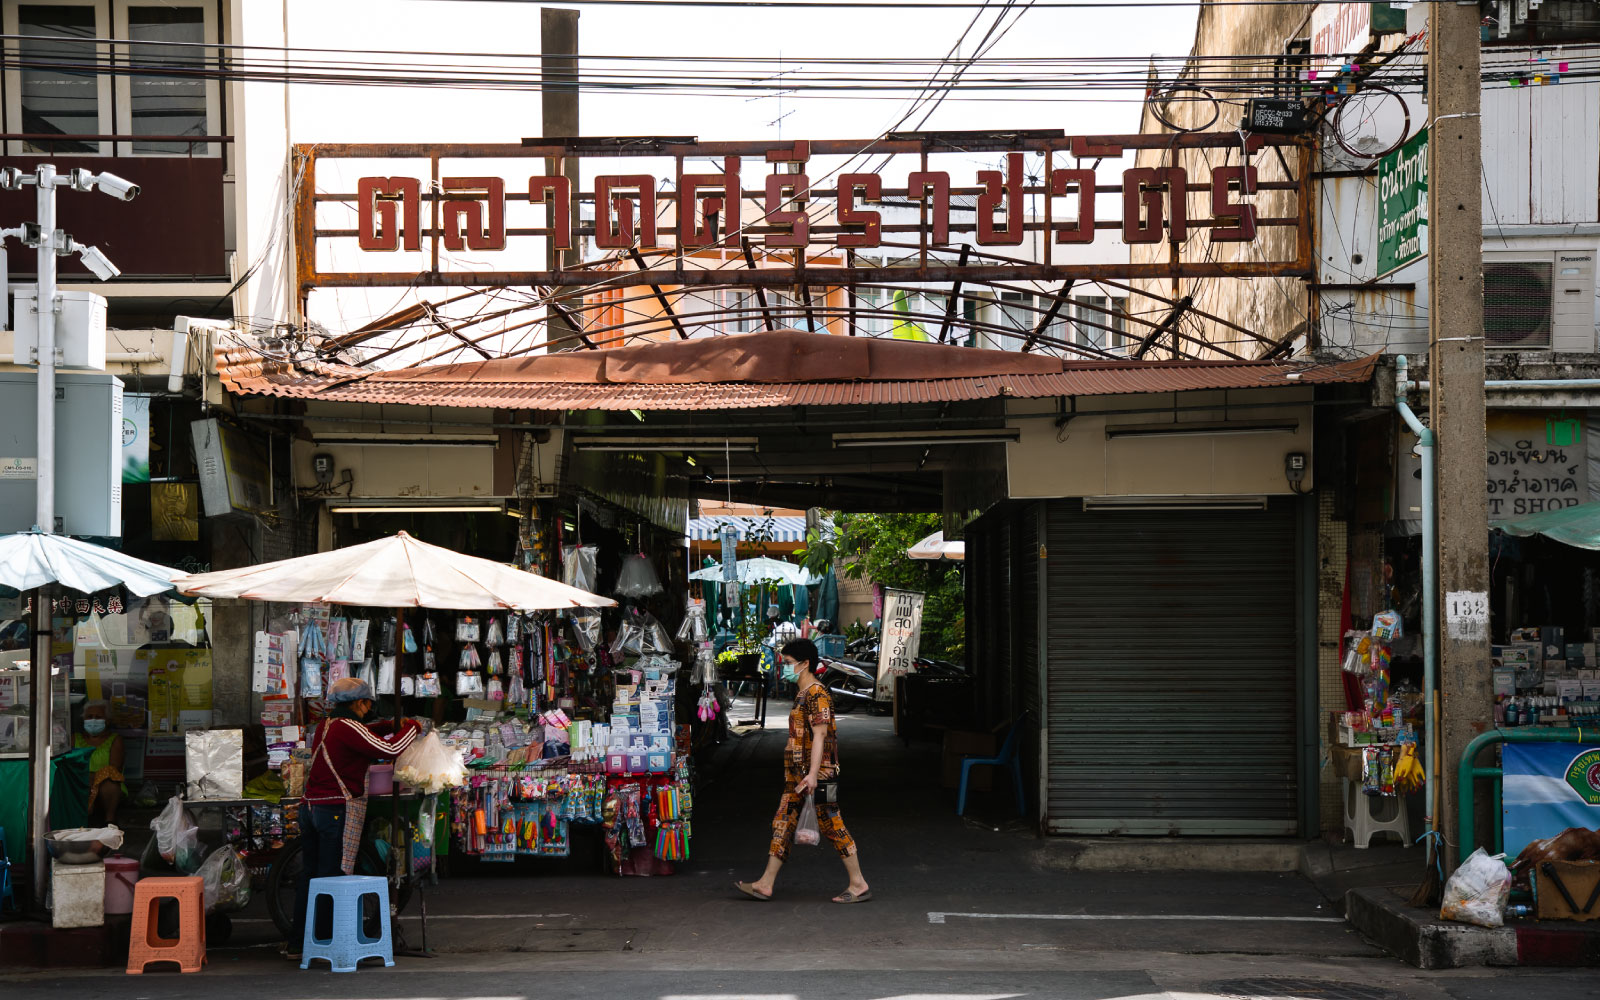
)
(1539, 300)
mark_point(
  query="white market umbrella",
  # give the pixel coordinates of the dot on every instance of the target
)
(394, 572)
(936, 548)
(30, 560)
(33, 559)
(760, 569)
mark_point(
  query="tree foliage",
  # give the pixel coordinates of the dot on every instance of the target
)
(873, 547)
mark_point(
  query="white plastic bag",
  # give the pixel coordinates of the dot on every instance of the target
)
(177, 837)
(1478, 891)
(227, 880)
(385, 675)
(428, 765)
(806, 831)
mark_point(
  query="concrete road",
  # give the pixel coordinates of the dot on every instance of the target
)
(962, 909)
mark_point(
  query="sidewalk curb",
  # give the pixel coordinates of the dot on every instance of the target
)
(1419, 938)
(1112, 854)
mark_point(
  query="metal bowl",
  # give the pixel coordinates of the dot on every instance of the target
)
(74, 852)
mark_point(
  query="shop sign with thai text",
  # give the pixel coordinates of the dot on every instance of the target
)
(799, 199)
(1536, 462)
(900, 640)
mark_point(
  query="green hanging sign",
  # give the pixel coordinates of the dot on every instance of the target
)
(1403, 205)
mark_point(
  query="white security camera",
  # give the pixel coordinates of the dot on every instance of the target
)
(116, 187)
(10, 179)
(82, 180)
(97, 262)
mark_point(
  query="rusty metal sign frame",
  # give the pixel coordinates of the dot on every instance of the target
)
(434, 196)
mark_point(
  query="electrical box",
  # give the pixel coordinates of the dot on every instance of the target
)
(88, 459)
(1276, 115)
(80, 329)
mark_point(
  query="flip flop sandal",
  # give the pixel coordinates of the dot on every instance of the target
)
(849, 897)
(750, 890)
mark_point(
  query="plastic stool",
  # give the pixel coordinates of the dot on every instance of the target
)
(8, 899)
(145, 945)
(1361, 815)
(349, 943)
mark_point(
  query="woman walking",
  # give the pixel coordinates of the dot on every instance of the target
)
(810, 757)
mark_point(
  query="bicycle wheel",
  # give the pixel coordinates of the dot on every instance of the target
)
(284, 879)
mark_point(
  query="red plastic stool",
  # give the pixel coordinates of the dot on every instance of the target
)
(144, 943)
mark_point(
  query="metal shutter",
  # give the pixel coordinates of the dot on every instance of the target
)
(1000, 610)
(1026, 601)
(1171, 671)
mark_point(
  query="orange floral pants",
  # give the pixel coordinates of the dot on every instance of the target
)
(788, 818)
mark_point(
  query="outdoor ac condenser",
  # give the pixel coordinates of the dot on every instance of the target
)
(1538, 300)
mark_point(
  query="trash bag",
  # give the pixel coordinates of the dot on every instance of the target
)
(227, 880)
(1478, 891)
(177, 837)
(807, 831)
(429, 766)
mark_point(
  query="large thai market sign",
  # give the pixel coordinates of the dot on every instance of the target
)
(467, 217)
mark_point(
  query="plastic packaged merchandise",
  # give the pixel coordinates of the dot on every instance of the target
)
(1478, 891)
(227, 880)
(428, 765)
(637, 578)
(580, 567)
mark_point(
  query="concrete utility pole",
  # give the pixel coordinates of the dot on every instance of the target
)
(558, 71)
(1456, 400)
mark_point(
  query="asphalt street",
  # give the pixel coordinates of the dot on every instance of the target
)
(963, 909)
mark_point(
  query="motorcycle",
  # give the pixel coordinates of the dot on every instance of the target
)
(851, 683)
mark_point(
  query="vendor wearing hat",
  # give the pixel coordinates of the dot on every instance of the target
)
(334, 808)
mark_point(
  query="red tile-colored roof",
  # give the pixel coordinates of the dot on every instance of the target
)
(750, 371)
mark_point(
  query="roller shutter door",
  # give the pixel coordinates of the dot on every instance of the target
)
(1171, 671)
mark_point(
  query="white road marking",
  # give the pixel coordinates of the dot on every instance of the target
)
(938, 917)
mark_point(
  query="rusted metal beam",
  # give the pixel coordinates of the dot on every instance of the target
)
(573, 323)
(1049, 316)
(433, 314)
(661, 297)
(955, 295)
(850, 262)
(761, 293)
(1170, 323)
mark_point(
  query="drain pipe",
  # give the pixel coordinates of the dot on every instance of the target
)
(1430, 577)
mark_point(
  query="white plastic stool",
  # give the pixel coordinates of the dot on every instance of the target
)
(1361, 815)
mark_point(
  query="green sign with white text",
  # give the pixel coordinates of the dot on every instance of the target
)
(1403, 204)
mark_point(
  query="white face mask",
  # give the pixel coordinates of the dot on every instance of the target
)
(94, 727)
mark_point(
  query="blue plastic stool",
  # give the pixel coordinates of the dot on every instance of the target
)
(8, 899)
(1007, 757)
(349, 943)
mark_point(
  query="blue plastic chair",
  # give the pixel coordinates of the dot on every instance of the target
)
(350, 942)
(1007, 757)
(8, 899)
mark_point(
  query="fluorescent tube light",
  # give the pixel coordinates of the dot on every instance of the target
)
(878, 439)
(700, 444)
(420, 508)
(411, 440)
(1222, 429)
(1174, 503)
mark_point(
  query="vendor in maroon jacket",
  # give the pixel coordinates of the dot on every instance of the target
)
(334, 808)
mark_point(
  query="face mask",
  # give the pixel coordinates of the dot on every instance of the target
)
(94, 727)
(791, 672)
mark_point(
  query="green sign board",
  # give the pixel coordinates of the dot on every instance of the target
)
(1403, 204)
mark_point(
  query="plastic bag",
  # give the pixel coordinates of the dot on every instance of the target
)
(629, 641)
(586, 630)
(385, 675)
(468, 684)
(469, 658)
(496, 690)
(1386, 626)
(807, 831)
(496, 636)
(1478, 891)
(467, 629)
(579, 566)
(637, 578)
(310, 678)
(227, 880)
(177, 837)
(110, 836)
(428, 685)
(496, 666)
(428, 765)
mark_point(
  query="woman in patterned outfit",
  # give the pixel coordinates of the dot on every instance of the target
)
(811, 755)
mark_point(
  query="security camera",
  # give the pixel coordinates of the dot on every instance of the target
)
(10, 179)
(81, 179)
(116, 187)
(97, 262)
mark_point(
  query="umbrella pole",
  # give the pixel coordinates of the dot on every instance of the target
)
(39, 743)
(396, 872)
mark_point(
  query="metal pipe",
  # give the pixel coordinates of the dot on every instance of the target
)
(1512, 384)
(45, 303)
(1466, 772)
(39, 730)
(1430, 588)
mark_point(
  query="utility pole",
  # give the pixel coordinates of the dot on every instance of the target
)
(558, 92)
(1456, 399)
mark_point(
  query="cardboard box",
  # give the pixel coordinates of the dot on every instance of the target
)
(959, 745)
(1579, 878)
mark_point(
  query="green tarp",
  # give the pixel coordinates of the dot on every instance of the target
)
(69, 797)
(1578, 526)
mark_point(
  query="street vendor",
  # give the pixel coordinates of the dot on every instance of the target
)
(105, 762)
(334, 808)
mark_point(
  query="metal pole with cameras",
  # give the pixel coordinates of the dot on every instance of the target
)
(50, 242)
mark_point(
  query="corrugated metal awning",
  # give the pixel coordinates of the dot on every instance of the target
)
(780, 529)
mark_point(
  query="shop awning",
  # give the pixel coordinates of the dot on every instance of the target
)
(759, 570)
(1577, 526)
(934, 547)
(32, 559)
(781, 529)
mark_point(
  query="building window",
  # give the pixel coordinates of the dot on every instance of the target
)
(48, 94)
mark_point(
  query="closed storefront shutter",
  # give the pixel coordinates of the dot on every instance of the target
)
(1026, 600)
(1171, 671)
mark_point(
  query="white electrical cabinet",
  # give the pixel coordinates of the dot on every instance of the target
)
(88, 461)
(80, 328)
